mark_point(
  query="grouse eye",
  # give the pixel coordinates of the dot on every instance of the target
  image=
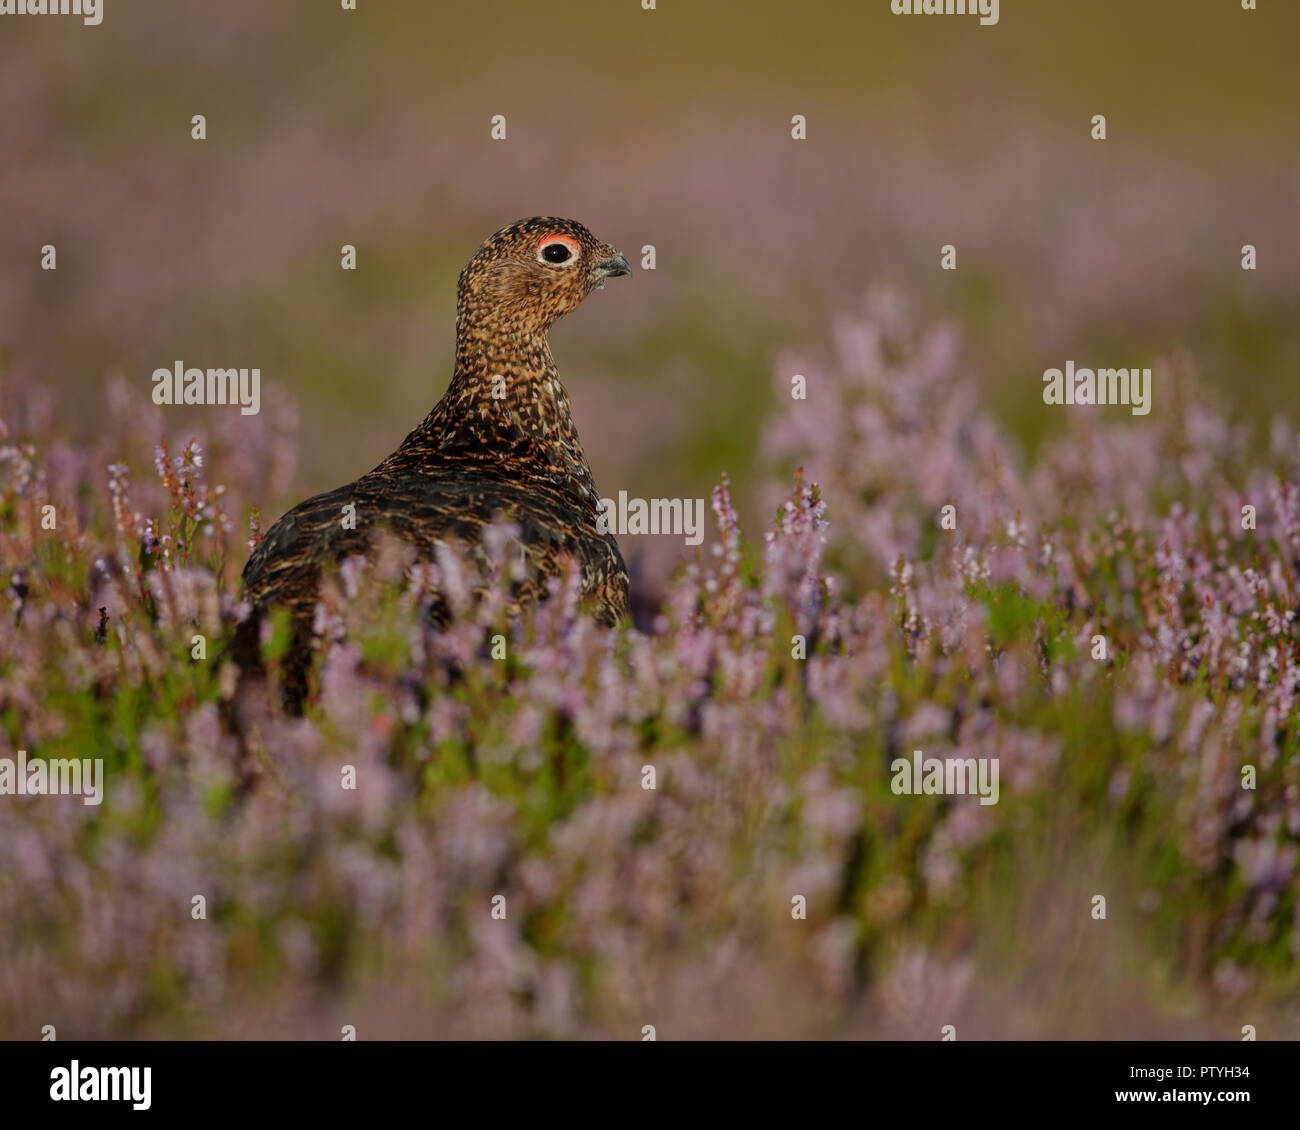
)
(557, 249)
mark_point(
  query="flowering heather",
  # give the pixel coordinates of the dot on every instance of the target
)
(783, 674)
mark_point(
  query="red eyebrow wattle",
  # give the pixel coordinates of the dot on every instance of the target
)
(566, 240)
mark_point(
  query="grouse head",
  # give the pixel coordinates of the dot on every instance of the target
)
(526, 276)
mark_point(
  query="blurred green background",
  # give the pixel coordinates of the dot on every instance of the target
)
(671, 128)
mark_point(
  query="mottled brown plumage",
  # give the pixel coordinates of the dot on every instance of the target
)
(500, 441)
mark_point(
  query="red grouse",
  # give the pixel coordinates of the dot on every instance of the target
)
(500, 441)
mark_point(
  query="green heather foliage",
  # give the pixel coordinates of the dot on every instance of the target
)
(522, 777)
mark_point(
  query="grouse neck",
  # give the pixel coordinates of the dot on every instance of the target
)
(503, 385)
(511, 371)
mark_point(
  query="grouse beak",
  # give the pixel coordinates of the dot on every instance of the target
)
(611, 268)
(616, 266)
